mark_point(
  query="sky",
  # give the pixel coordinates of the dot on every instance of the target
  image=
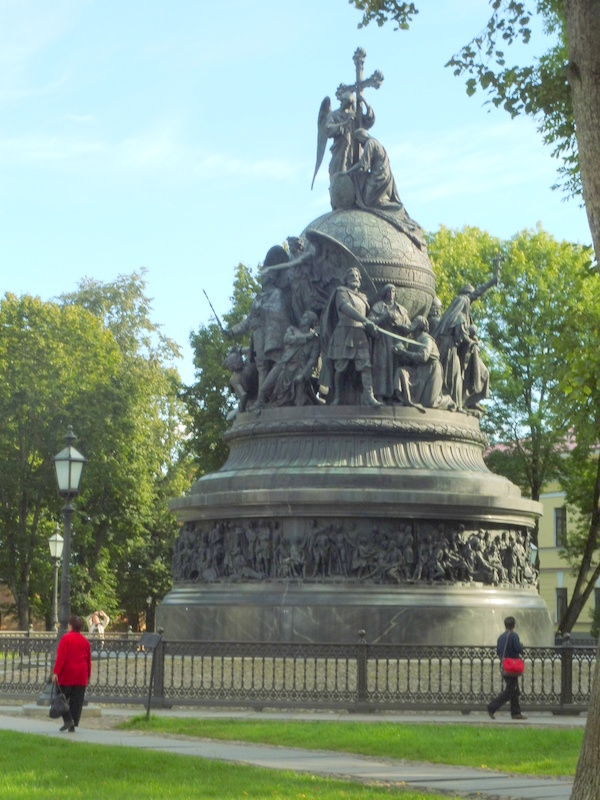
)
(180, 137)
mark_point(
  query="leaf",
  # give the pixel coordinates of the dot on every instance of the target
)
(486, 79)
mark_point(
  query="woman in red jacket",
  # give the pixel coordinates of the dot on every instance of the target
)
(72, 670)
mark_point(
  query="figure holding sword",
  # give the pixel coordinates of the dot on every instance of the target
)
(344, 329)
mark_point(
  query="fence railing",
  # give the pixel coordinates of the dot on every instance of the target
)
(356, 677)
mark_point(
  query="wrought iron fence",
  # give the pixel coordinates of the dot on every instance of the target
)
(120, 667)
(356, 677)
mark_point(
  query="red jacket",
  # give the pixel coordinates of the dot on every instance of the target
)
(73, 660)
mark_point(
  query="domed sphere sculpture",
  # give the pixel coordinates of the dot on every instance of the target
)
(388, 254)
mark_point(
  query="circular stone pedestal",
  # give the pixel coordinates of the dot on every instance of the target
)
(326, 520)
(415, 615)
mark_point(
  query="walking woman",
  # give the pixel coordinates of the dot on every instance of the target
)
(72, 670)
(508, 646)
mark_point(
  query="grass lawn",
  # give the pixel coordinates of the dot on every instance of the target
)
(532, 751)
(43, 768)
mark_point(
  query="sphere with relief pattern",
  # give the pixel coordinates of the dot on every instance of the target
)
(387, 254)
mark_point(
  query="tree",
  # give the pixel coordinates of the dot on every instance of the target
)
(527, 409)
(578, 372)
(95, 360)
(54, 364)
(460, 257)
(517, 322)
(583, 70)
(582, 388)
(209, 399)
(138, 458)
(586, 785)
(580, 478)
(561, 89)
(539, 89)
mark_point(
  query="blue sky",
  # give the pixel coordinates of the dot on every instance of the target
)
(180, 136)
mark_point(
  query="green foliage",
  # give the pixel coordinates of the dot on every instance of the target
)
(381, 12)
(525, 316)
(460, 257)
(538, 89)
(577, 478)
(55, 365)
(209, 399)
(578, 374)
(532, 751)
(525, 324)
(136, 458)
(579, 366)
(125, 310)
(95, 361)
(541, 329)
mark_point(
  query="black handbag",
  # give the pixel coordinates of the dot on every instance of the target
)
(59, 705)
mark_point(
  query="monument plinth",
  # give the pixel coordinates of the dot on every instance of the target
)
(355, 494)
(327, 520)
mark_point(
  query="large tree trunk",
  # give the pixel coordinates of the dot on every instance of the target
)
(22, 603)
(583, 72)
(578, 601)
(587, 776)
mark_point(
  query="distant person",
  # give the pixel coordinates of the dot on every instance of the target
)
(72, 671)
(97, 624)
(508, 646)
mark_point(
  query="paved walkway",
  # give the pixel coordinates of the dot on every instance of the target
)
(461, 781)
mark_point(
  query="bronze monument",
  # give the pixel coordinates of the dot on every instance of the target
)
(355, 495)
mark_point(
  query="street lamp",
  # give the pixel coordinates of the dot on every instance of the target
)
(55, 543)
(533, 553)
(149, 601)
(69, 466)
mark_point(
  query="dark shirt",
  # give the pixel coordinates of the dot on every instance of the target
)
(514, 647)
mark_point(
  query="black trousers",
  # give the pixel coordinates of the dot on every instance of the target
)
(74, 695)
(511, 693)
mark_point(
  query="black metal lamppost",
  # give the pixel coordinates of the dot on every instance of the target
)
(149, 604)
(69, 466)
(55, 543)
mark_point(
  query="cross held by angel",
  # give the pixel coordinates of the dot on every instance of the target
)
(340, 124)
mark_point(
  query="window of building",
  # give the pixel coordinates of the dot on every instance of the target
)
(560, 526)
(561, 603)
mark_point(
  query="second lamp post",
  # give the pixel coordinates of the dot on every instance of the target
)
(55, 543)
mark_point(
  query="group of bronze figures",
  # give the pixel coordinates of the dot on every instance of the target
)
(322, 332)
(228, 551)
(354, 352)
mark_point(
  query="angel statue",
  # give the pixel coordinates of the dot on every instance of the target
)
(339, 125)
